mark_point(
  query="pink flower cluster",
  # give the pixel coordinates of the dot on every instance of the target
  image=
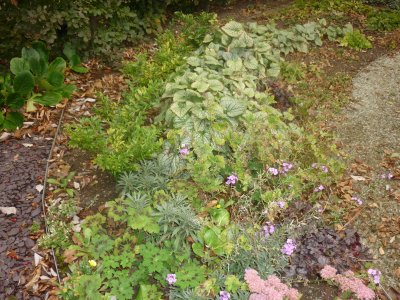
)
(285, 167)
(232, 179)
(270, 289)
(348, 282)
(269, 229)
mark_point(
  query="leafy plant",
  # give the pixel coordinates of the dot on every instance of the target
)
(384, 20)
(62, 184)
(324, 246)
(356, 40)
(74, 60)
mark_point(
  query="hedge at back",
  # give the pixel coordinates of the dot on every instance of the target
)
(92, 26)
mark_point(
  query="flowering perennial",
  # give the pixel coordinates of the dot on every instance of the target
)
(270, 289)
(224, 295)
(273, 171)
(171, 278)
(281, 204)
(289, 247)
(232, 180)
(376, 274)
(320, 188)
(269, 229)
(357, 200)
(184, 150)
(348, 282)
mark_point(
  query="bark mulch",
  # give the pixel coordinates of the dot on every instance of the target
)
(22, 168)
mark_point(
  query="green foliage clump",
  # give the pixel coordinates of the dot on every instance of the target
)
(121, 136)
(384, 20)
(34, 80)
(355, 39)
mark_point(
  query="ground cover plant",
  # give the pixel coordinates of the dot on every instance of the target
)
(225, 156)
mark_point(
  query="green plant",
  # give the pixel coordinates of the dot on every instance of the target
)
(384, 20)
(62, 184)
(73, 59)
(35, 228)
(356, 40)
(177, 221)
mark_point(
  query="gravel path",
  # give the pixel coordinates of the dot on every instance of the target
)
(367, 128)
(21, 169)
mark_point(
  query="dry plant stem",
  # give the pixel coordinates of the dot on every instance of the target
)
(45, 185)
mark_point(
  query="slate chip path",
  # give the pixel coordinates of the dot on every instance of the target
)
(21, 169)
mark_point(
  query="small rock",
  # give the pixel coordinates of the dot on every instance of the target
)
(13, 231)
(35, 212)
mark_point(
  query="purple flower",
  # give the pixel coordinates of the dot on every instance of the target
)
(387, 176)
(171, 278)
(224, 295)
(289, 247)
(269, 229)
(376, 274)
(324, 169)
(231, 180)
(184, 150)
(273, 171)
(286, 167)
(357, 199)
(319, 188)
(281, 204)
(314, 165)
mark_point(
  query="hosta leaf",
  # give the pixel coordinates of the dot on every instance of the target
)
(233, 107)
(18, 65)
(38, 66)
(79, 69)
(24, 82)
(233, 29)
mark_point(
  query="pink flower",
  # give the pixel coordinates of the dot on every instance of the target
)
(328, 272)
(171, 278)
(184, 150)
(357, 200)
(289, 247)
(376, 274)
(324, 169)
(273, 171)
(269, 229)
(319, 188)
(224, 295)
(232, 180)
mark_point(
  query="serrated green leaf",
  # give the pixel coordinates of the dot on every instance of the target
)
(215, 85)
(57, 65)
(194, 61)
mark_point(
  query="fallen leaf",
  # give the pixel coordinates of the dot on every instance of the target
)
(69, 256)
(4, 136)
(27, 145)
(358, 178)
(381, 251)
(39, 188)
(12, 254)
(8, 210)
(37, 259)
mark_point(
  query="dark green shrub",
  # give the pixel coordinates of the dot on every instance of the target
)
(384, 20)
(388, 3)
(95, 26)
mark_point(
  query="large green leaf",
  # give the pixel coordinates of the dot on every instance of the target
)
(50, 98)
(13, 120)
(216, 85)
(79, 69)
(55, 78)
(57, 65)
(200, 85)
(233, 108)
(38, 66)
(24, 82)
(18, 65)
(187, 95)
(233, 29)
(15, 101)
(181, 108)
(41, 48)
(69, 51)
